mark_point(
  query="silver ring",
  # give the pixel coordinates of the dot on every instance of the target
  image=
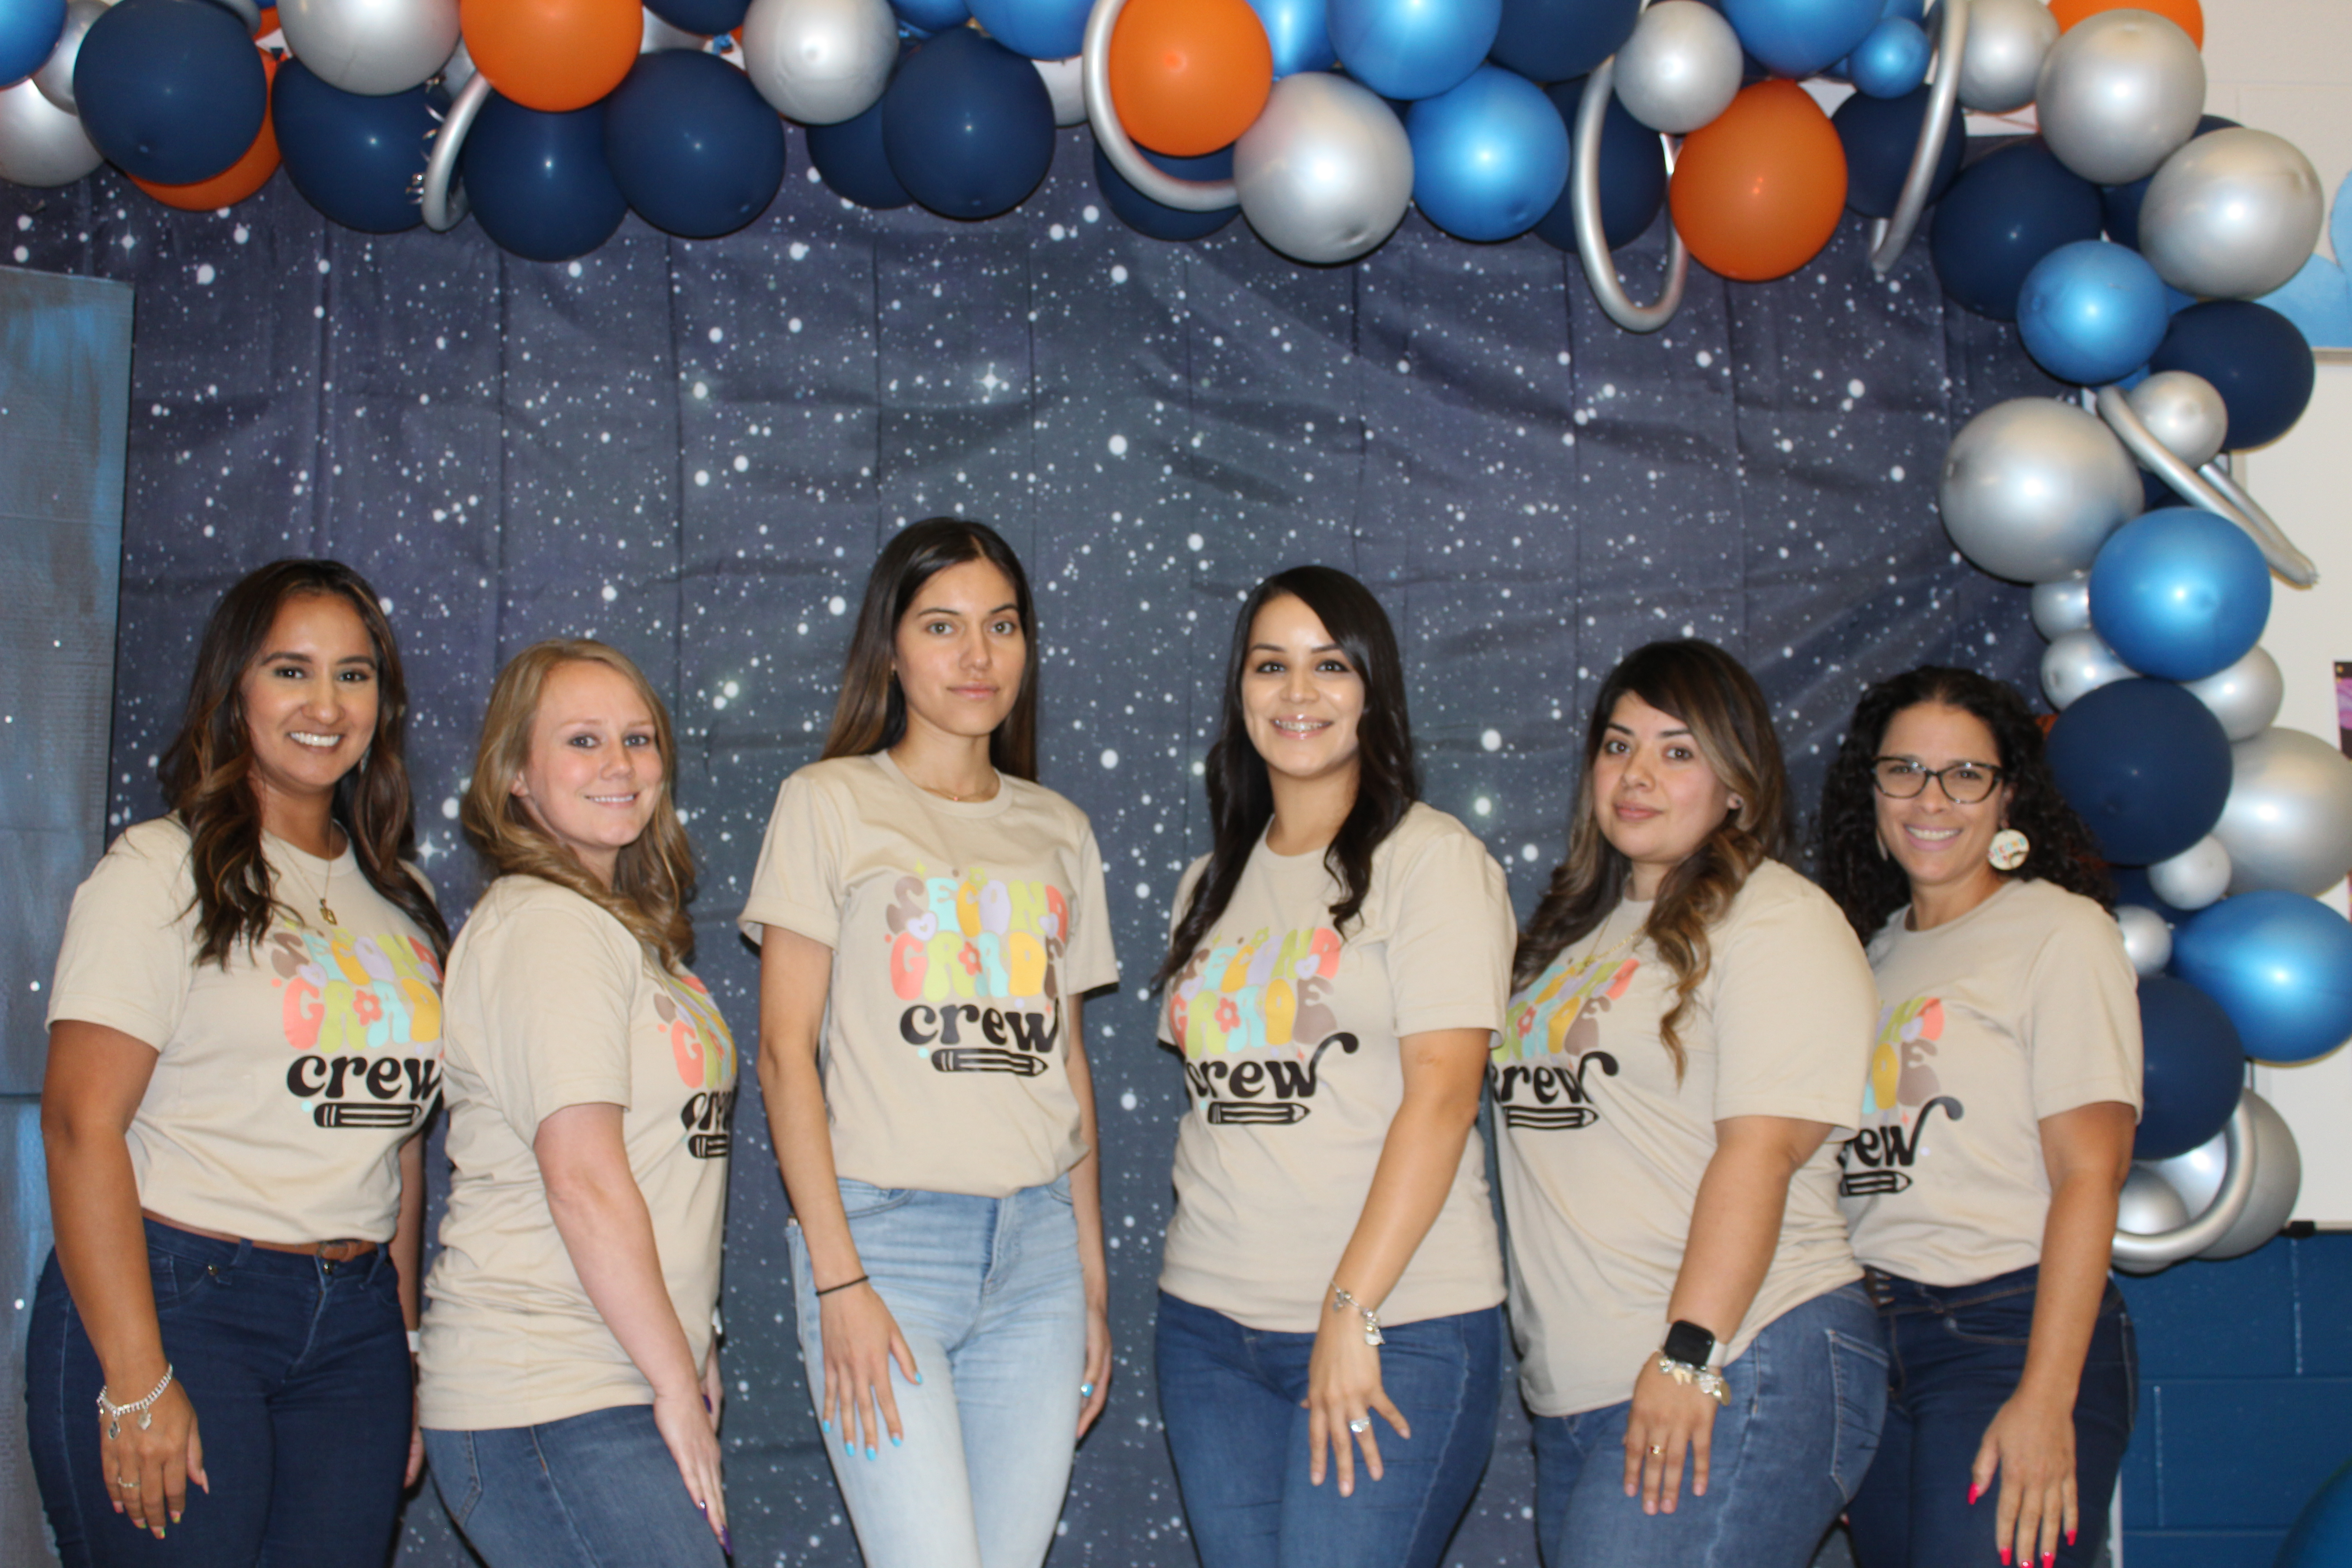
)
(126, 1486)
(1360, 1424)
(1657, 1450)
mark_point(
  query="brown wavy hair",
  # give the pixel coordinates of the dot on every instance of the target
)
(207, 770)
(1730, 723)
(652, 877)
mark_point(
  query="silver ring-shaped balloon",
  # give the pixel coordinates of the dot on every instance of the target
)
(2210, 488)
(1591, 244)
(2153, 1252)
(444, 206)
(1185, 195)
(1889, 236)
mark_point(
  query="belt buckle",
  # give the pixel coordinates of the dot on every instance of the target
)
(342, 1251)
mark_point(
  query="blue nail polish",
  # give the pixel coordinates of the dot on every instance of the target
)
(918, 1379)
(869, 1452)
(825, 1427)
(896, 1441)
(849, 1447)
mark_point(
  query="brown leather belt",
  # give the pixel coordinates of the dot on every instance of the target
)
(339, 1251)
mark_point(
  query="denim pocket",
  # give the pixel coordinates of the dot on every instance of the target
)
(859, 1199)
(2006, 1320)
(460, 1493)
(1858, 1376)
(1059, 1187)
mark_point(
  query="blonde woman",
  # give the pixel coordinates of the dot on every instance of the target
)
(571, 1378)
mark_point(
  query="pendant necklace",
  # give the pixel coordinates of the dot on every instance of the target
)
(325, 914)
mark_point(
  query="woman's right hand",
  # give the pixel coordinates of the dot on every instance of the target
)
(147, 1468)
(689, 1430)
(861, 1338)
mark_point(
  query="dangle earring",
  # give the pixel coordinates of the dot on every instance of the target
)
(2008, 849)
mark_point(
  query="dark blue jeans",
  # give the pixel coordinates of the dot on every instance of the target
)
(298, 1369)
(1230, 1397)
(1957, 1353)
(1789, 1448)
(598, 1490)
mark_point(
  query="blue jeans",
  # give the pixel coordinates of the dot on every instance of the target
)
(1788, 1448)
(990, 1300)
(1957, 1353)
(1230, 1397)
(298, 1369)
(598, 1490)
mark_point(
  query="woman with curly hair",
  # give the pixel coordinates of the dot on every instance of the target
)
(1691, 1024)
(1997, 1132)
(245, 1040)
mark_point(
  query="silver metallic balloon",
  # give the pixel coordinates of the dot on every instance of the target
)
(2245, 697)
(2193, 879)
(2001, 62)
(2077, 663)
(2288, 820)
(2148, 940)
(41, 144)
(2184, 412)
(656, 34)
(2062, 604)
(820, 61)
(2231, 215)
(2149, 1205)
(1681, 68)
(1326, 173)
(371, 47)
(55, 79)
(2032, 487)
(2118, 94)
(2278, 1179)
(1066, 84)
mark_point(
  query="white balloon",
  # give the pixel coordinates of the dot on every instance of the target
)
(2078, 663)
(1681, 69)
(371, 47)
(2062, 604)
(2231, 215)
(2245, 697)
(2288, 820)
(2149, 1205)
(2184, 413)
(1066, 84)
(2193, 879)
(2032, 487)
(2001, 61)
(820, 61)
(2118, 94)
(2148, 940)
(1325, 174)
(41, 144)
(56, 77)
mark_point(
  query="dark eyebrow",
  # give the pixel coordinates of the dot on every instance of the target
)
(1627, 729)
(1319, 647)
(946, 610)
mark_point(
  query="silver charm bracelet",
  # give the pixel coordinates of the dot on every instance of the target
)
(139, 1407)
(1706, 1379)
(1340, 1298)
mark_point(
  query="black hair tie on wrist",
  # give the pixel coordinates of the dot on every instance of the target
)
(843, 1286)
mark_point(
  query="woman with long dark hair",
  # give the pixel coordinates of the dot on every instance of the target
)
(245, 1041)
(1690, 1025)
(1331, 1285)
(1997, 1131)
(930, 917)
(571, 1385)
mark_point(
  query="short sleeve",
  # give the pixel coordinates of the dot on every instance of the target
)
(1795, 1009)
(797, 884)
(557, 1007)
(127, 954)
(2081, 1023)
(1091, 962)
(1450, 937)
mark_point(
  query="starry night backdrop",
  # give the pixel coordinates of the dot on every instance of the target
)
(693, 450)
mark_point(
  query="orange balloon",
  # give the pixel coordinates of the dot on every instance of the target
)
(268, 23)
(1756, 193)
(236, 182)
(1187, 77)
(552, 55)
(2188, 13)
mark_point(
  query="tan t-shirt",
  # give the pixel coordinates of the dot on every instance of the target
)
(284, 1084)
(2021, 1008)
(959, 929)
(1289, 1037)
(1602, 1149)
(553, 1004)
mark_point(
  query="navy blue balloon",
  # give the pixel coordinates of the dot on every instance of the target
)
(537, 184)
(694, 148)
(2006, 212)
(928, 16)
(1157, 220)
(2192, 1068)
(1798, 38)
(1633, 173)
(171, 90)
(1552, 40)
(29, 30)
(1041, 29)
(848, 156)
(2180, 592)
(2281, 966)
(1299, 31)
(1878, 134)
(354, 157)
(968, 125)
(2144, 765)
(2120, 205)
(2256, 359)
(707, 18)
(1489, 156)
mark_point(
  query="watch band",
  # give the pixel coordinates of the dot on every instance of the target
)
(1692, 1345)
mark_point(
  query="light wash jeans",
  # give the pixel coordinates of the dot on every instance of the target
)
(598, 1490)
(988, 1295)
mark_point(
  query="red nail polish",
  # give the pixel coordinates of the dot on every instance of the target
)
(1975, 1492)
(2048, 1558)
(2004, 1557)
(2070, 1538)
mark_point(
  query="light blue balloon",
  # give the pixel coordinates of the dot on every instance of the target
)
(2281, 966)
(1891, 59)
(1414, 48)
(1798, 38)
(1300, 32)
(2091, 311)
(1041, 29)
(2180, 594)
(1489, 157)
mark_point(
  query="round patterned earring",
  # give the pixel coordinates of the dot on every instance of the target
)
(2008, 849)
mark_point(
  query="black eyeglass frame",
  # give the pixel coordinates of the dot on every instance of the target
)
(1994, 769)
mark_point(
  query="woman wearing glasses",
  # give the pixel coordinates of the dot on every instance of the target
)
(1996, 1131)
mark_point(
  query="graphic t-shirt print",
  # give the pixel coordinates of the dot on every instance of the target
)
(1539, 1070)
(1901, 1094)
(703, 1050)
(1254, 1020)
(978, 960)
(362, 1014)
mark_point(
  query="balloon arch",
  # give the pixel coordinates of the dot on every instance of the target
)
(2129, 241)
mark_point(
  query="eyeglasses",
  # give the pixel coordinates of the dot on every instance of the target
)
(1963, 784)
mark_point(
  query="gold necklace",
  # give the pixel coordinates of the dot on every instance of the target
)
(1589, 959)
(996, 782)
(325, 913)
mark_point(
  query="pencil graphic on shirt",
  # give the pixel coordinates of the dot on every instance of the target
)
(975, 1059)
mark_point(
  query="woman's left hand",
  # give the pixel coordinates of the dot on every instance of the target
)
(1096, 1394)
(1668, 1420)
(1343, 1389)
(2030, 1446)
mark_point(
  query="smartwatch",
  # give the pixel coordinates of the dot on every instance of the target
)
(1690, 1344)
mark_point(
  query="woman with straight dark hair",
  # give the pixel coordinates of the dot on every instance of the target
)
(245, 1041)
(1690, 1025)
(2007, 1002)
(1336, 965)
(930, 917)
